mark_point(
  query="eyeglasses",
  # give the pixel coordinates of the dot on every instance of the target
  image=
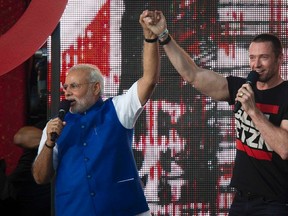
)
(74, 86)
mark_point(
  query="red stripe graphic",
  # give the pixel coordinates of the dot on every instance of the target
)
(255, 153)
(266, 108)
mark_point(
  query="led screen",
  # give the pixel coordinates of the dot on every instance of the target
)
(183, 141)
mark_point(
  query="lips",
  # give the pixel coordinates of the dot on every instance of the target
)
(73, 102)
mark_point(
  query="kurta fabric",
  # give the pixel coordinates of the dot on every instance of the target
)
(258, 169)
(96, 172)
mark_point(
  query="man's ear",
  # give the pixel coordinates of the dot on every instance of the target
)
(281, 58)
(96, 88)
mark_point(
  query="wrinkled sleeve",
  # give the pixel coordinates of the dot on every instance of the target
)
(128, 107)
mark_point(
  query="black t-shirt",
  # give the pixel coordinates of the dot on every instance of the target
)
(257, 167)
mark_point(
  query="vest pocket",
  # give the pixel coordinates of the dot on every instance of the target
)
(127, 195)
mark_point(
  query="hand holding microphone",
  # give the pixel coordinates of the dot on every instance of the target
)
(63, 109)
(252, 78)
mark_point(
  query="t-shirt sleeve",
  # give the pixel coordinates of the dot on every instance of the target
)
(234, 83)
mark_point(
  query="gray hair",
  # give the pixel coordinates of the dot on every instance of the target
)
(93, 70)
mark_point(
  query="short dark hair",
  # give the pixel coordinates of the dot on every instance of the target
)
(267, 37)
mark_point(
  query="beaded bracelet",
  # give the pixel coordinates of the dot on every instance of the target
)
(166, 41)
(163, 34)
(48, 146)
(151, 40)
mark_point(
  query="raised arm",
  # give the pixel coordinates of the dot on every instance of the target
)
(151, 62)
(206, 81)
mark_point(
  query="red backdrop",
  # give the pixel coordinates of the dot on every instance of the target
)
(23, 30)
(12, 89)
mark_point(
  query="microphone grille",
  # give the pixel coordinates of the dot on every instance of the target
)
(252, 77)
(65, 105)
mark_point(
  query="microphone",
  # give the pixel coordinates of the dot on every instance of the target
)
(251, 79)
(63, 109)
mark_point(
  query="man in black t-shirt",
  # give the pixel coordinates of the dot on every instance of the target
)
(260, 174)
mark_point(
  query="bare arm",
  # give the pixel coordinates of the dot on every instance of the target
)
(275, 137)
(42, 169)
(28, 137)
(206, 81)
(151, 64)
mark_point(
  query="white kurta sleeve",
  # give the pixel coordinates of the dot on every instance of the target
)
(41, 146)
(128, 107)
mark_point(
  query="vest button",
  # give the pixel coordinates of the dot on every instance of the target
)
(92, 194)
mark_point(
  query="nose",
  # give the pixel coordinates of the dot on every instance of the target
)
(258, 63)
(67, 93)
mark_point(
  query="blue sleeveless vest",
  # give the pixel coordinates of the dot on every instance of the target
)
(96, 172)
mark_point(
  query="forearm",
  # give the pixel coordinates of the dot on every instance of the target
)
(151, 71)
(151, 63)
(42, 168)
(181, 61)
(275, 137)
